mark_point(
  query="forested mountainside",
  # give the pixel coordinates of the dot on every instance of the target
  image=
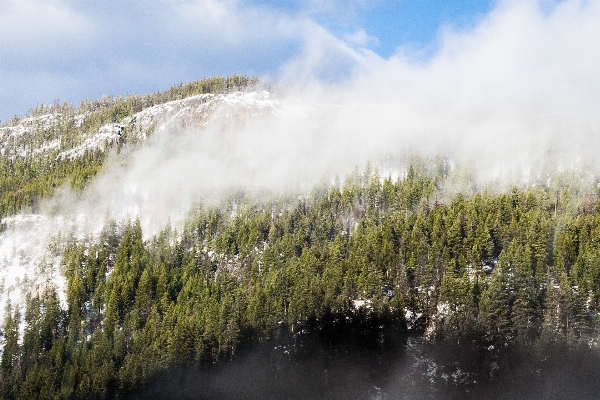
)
(55, 144)
(49, 157)
(492, 274)
(489, 273)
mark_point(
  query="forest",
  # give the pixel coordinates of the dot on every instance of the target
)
(490, 274)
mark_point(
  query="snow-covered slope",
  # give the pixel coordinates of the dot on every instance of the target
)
(19, 139)
(31, 244)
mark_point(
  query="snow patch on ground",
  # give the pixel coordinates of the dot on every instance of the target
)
(191, 112)
(29, 259)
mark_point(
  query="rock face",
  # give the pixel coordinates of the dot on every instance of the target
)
(222, 110)
(44, 134)
(30, 244)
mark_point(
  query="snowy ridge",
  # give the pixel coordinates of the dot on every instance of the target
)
(198, 111)
(189, 113)
(16, 135)
(26, 125)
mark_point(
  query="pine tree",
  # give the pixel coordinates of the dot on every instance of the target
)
(9, 363)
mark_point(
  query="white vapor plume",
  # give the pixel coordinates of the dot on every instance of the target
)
(517, 93)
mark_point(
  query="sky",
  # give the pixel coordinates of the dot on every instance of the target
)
(74, 50)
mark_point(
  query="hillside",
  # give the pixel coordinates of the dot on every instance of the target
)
(59, 143)
(155, 259)
(60, 146)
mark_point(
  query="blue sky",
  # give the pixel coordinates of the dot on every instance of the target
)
(75, 50)
(412, 23)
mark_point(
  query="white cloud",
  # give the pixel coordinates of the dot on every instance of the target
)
(325, 58)
(33, 29)
(520, 71)
(486, 99)
(362, 39)
(98, 43)
(522, 81)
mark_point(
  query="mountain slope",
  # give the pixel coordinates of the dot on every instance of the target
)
(44, 151)
(197, 226)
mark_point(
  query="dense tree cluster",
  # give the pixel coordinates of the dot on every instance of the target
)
(487, 271)
(24, 181)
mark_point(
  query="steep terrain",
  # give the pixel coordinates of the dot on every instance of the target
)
(30, 243)
(151, 237)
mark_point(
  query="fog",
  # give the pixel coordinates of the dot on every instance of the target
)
(513, 99)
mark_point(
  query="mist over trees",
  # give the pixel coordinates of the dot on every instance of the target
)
(36, 160)
(490, 273)
(491, 276)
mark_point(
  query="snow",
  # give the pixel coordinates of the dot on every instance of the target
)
(107, 134)
(359, 303)
(197, 111)
(443, 308)
(413, 319)
(29, 260)
(194, 111)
